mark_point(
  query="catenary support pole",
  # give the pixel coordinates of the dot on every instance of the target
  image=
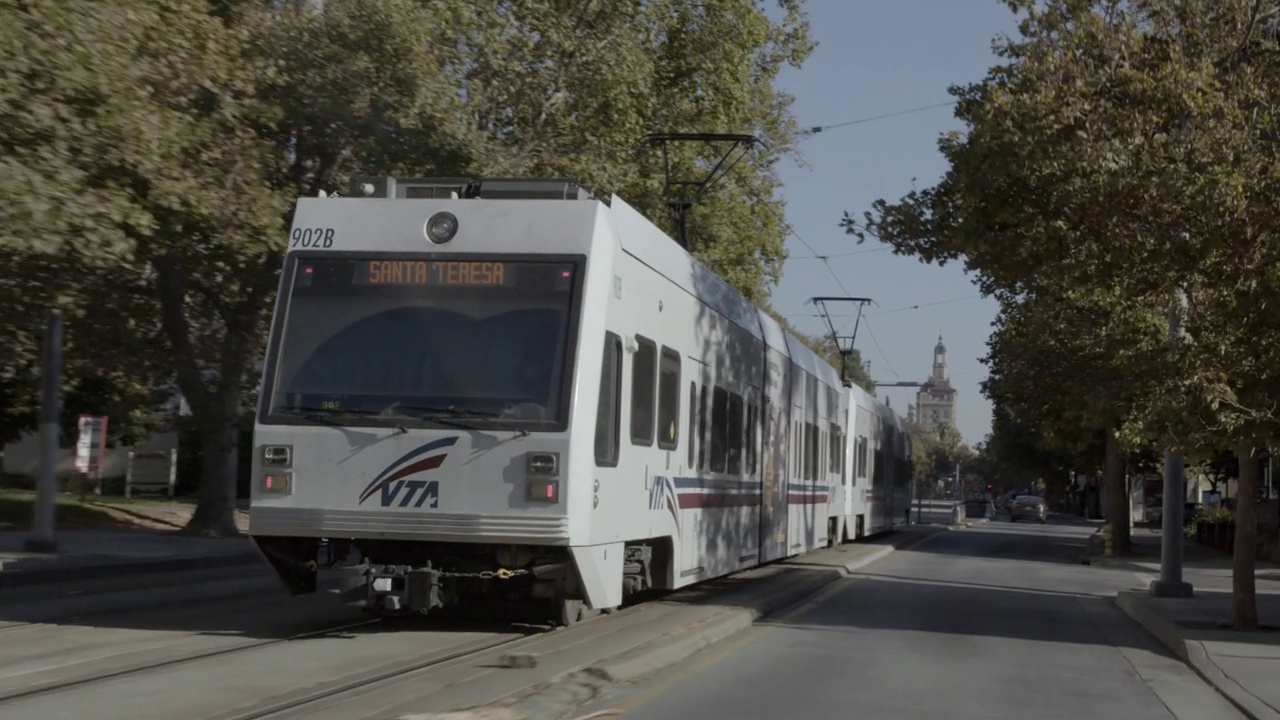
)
(42, 526)
(1171, 584)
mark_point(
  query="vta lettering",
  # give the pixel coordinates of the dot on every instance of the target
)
(411, 493)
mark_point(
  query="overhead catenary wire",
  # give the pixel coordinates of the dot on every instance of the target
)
(901, 309)
(814, 130)
(827, 264)
(840, 255)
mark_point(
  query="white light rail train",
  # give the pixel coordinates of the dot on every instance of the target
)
(509, 392)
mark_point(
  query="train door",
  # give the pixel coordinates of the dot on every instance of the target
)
(773, 496)
(692, 518)
(884, 460)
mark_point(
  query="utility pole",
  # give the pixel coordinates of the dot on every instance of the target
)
(958, 513)
(42, 526)
(1171, 584)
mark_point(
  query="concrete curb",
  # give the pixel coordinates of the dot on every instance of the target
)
(59, 572)
(1092, 548)
(1193, 653)
(969, 524)
(674, 647)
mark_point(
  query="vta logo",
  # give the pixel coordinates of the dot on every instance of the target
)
(393, 483)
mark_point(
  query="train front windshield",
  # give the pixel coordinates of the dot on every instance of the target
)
(474, 342)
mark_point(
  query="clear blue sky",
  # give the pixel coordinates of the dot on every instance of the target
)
(876, 57)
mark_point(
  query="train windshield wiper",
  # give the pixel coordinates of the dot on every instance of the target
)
(457, 416)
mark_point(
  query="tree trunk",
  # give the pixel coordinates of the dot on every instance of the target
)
(216, 406)
(215, 510)
(1118, 516)
(1243, 592)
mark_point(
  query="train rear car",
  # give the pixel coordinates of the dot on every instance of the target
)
(863, 423)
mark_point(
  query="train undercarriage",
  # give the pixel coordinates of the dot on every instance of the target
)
(516, 583)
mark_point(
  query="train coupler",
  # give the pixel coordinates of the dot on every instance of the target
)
(391, 588)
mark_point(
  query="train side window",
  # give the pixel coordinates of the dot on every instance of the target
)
(791, 449)
(719, 429)
(669, 399)
(835, 448)
(817, 452)
(804, 451)
(644, 371)
(753, 419)
(735, 434)
(812, 460)
(820, 462)
(693, 424)
(754, 433)
(702, 429)
(815, 442)
(833, 442)
(800, 450)
(609, 405)
(844, 463)
(797, 438)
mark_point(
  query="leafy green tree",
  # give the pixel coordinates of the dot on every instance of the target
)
(1018, 449)
(935, 452)
(1075, 363)
(178, 156)
(111, 364)
(569, 89)
(1125, 140)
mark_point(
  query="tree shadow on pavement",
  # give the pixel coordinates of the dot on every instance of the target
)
(1048, 543)
(912, 605)
(263, 612)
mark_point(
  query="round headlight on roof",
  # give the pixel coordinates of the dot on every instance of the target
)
(441, 228)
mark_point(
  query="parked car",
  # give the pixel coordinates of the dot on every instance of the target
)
(1028, 507)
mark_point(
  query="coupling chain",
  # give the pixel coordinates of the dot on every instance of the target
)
(500, 573)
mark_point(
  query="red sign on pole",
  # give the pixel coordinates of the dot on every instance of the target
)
(91, 445)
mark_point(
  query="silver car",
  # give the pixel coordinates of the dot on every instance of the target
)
(1028, 507)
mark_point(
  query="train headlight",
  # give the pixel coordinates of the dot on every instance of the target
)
(441, 227)
(277, 483)
(280, 456)
(543, 463)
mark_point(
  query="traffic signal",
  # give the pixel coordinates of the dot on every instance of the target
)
(989, 486)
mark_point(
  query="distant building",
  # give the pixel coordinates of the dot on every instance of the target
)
(936, 399)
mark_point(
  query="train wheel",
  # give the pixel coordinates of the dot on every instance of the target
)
(571, 611)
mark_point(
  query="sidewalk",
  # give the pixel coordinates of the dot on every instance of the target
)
(1243, 666)
(1146, 556)
(85, 555)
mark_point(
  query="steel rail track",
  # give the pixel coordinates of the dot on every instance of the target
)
(58, 687)
(292, 706)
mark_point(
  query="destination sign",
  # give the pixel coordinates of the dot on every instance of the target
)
(442, 273)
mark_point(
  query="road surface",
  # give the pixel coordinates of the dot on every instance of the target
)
(997, 621)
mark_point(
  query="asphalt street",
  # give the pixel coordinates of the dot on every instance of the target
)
(996, 621)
